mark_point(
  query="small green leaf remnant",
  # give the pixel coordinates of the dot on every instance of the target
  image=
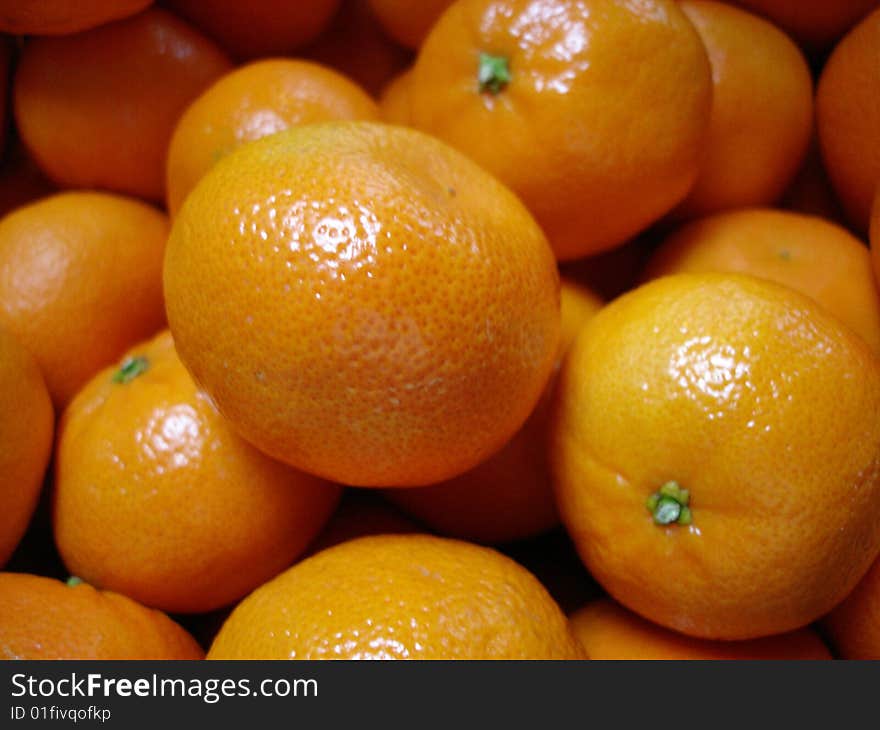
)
(131, 367)
(74, 581)
(493, 74)
(669, 505)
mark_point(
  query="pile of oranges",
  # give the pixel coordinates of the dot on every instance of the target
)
(532, 329)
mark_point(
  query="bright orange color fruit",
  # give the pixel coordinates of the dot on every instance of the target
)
(42, 618)
(26, 425)
(813, 23)
(81, 281)
(853, 627)
(407, 22)
(399, 597)
(608, 631)
(156, 498)
(597, 142)
(762, 110)
(258, 27)
(717, 455)
(356, 46)
(394, 101)
(363, 302)
(251, 102)
(60, 17)
(510, 495)
(97, 109)
(806, 253)
(848, 118)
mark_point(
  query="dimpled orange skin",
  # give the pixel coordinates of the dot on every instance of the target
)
(356, 46)
(853, 627)
(813, 23)
(363, 302)
(753, 398)
(848, 119)
(97, 109)
(81, 281)
(608, 631)
(510, 495)
(251, 102)
(26, 424)
(42, 618)
(406, 22)
(156, 498)
(762, 110)
(258, 27)
(399, 597)
(600, 129)
(394, 101)
(60, 17)
(806, 253)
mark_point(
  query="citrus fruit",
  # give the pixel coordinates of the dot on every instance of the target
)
(60, 17)
(394, 101)
(97, 109)
(157, 499)
(81, 281)
(363, 302)
(608, 631)
(717, 456)
(406, 22)
(813, 23)
(254, 101)
(258, 27)
(26, 424)
(809, 254)
(356, 46)
(762, 110)
(848, 118)
(597, 142)
(510, 495)
(42, 618)
(399, 597)
(853, 627)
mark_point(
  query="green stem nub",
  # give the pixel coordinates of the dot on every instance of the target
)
(494, 73)
(669, 505)
(74, 581)
(131, 367)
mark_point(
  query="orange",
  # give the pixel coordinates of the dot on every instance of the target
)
(813, 23)
(406, 22)
(258, 27)
(6, 52)
(399, 597)
(253, 101)
(853, 627)
(717, 455)
(157, 499)
(762, 110)
(363, 302)
(26, 423)
(394, 101)
(42, 618)
(848, 118)
(608, 631)
(356, 46)
(875, 236)
(814, 256)
(363, 512)
(510, 495)
(81, 281)
(97, 109)
(59, 17)
(598, 143)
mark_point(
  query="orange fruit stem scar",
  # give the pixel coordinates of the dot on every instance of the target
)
(73, 581)
(131, 367)
(493, 74)
(669, 505)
